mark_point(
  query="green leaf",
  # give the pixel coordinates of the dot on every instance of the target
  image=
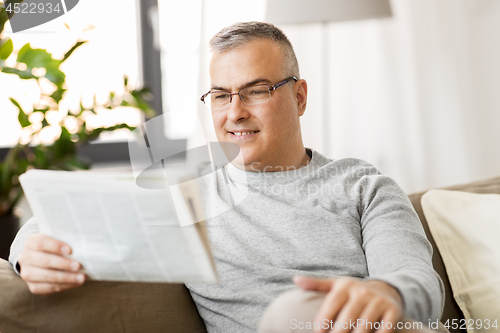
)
(41, 157)
(4, 176)
(97, 131)
(125, 103)
(81, 109)
(23, 117)
(125, 80)
(142, 97)
(25, 75)
(42, 110)
(75, 163)
(55, 75)
(6, 48)
(40, 58)
(68, 54)
(36, 58)
(63, 146)
(57, 95)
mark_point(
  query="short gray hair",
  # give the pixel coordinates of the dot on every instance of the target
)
(240, 34)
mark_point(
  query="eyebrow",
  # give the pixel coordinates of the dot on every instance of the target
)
(248, 84)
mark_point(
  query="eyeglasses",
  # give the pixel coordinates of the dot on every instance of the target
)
(219, 100)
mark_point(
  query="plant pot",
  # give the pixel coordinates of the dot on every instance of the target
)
(9, 225)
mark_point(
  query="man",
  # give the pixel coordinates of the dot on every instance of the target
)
(349, 229)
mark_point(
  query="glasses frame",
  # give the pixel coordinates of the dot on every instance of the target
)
(271, 89)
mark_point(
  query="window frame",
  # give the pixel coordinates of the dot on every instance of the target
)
(150, 59)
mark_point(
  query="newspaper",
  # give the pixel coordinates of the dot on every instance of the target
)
(119, 231)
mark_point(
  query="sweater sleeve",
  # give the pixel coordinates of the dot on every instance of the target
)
(30, 228)
(396, 248)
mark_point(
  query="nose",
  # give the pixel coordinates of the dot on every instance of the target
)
(237, 109)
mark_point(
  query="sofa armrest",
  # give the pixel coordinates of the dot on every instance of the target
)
(97, 306)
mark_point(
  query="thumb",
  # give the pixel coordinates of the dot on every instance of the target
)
(309, 283)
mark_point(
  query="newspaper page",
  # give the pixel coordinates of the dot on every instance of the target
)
(119, 231)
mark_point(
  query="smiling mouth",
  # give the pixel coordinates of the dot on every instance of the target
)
(243, 133)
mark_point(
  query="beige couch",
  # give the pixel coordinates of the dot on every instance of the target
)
(144, 307)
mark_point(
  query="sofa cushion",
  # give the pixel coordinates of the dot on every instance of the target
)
(451, 308)
(465, 227)
(97, 306)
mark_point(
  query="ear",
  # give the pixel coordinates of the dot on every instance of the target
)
(301, 96)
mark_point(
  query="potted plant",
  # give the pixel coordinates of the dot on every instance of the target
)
(73, 129)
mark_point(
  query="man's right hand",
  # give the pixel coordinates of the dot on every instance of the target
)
(44, 267)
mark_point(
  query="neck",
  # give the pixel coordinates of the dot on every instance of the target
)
(290, 162)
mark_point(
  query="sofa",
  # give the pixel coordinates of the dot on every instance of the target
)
(100, 306)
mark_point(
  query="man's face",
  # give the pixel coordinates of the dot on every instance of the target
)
(275, 124)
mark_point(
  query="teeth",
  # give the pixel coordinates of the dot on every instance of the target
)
(243, 133)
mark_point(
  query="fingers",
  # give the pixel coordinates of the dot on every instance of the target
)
(45, 252)
(370, 315)
(47, 260)
(350, 314)
(355, 305)
(35, 274)
(43, 243)
(42, 288)
(44, 267)
(312, 283)
(344, 304)
(392, 315)
(334, 301)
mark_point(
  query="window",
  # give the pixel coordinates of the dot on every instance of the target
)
(96, 68)
(179, 35)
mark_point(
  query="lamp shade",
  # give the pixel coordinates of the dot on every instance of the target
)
(313, 11)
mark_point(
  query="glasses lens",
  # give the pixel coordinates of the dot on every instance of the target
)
(255, 94)
(217, 100)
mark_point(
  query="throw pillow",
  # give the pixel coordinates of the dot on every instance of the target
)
(466, 228)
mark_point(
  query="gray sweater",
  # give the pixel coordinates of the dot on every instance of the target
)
(325, 220)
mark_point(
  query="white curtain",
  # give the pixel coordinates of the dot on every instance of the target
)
(418, 94)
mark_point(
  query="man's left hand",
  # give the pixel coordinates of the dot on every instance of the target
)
(349, 299)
